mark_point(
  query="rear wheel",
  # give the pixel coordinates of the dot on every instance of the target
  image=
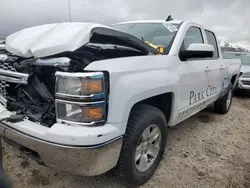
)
(143, 145)
(223, 105)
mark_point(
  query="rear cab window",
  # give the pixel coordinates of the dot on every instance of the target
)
(212, 41)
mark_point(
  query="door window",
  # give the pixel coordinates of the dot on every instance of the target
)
(193, 35)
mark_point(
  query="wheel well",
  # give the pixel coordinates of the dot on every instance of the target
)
(233, 79)
(162, 102)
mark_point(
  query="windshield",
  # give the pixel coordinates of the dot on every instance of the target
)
(155, 33)
(244, 57)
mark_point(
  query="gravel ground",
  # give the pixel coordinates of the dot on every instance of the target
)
(207, 150)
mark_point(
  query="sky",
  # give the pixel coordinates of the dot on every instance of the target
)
(228, 18)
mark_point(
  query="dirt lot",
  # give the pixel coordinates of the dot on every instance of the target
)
(207, 150)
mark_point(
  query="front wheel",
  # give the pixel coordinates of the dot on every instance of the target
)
(143, 145)
(223, 105)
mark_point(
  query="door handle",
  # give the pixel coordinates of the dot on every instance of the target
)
(221, 67)
(207, 69)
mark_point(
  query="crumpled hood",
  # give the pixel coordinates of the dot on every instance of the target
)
(50, 39)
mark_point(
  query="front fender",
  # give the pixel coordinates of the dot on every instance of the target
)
(135, 87)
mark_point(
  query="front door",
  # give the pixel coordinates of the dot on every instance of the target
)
(193, 79)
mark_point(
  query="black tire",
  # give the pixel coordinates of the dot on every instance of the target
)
(220, 106)
(141, 117)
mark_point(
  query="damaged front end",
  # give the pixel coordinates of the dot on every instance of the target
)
(30, 76)
(27, 88)
(53, 89)
(33, 69)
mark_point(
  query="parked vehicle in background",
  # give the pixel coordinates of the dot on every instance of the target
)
(86, 98)
(244, 80)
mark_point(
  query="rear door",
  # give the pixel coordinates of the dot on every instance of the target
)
(193, 78)
(216, 70)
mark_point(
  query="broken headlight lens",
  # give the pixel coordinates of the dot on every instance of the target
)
(80, 113)
(78, 84)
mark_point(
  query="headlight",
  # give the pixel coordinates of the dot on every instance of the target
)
(80, 98)
(78, 84)
(80, 113)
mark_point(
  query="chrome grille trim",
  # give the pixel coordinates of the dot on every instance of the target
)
(13, 77)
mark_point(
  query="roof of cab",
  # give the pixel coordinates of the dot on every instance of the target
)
(152, 21)
(163, 21)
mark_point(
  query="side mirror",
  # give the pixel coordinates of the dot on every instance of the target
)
(197, 50)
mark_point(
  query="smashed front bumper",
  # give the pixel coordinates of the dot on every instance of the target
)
(68, 150)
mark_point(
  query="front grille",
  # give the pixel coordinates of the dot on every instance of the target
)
(3, 87)
(6, 66)
(3, 84)
(246, 82)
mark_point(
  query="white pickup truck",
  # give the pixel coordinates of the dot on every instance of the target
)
(86, 98)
